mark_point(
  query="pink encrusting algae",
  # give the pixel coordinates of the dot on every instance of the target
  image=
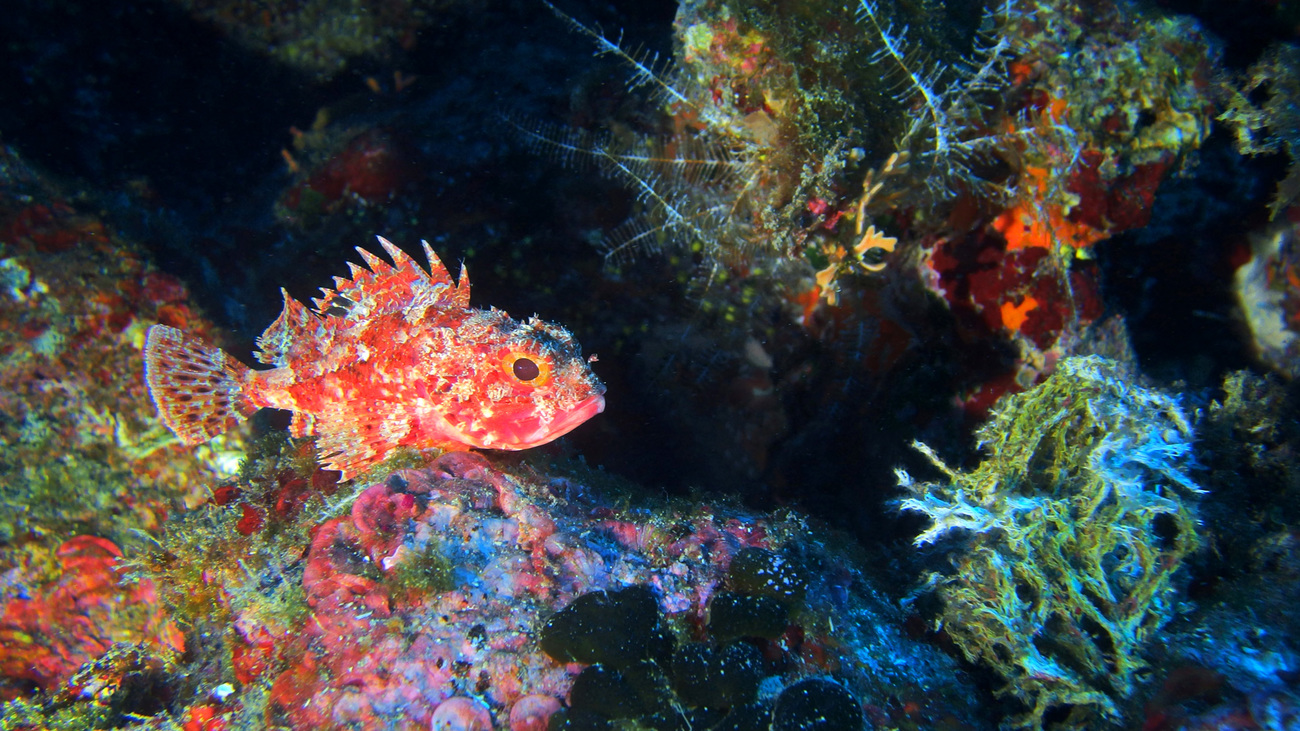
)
(461, 714)
(425, 599)
(532, 712)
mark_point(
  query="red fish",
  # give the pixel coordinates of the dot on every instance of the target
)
(393, 357)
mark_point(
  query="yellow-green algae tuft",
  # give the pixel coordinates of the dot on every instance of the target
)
(1073, 526)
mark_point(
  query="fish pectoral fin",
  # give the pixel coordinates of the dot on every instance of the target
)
(303, 425)
(352, 442)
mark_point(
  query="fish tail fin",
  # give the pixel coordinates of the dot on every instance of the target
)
(196, 387)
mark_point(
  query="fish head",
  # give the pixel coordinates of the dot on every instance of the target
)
(532, 385)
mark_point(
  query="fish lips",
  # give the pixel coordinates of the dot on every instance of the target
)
(531, 432)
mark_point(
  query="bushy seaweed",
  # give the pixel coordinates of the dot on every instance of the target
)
(1073, 527)
(1263, 111)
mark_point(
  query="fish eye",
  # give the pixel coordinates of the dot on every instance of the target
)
(527, 368)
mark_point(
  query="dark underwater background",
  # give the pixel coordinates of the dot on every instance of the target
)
(180, 162)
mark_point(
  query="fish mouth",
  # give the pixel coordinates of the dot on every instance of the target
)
(589, 407)
(562, 424)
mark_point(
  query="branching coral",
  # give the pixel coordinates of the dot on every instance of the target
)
(1076, 522)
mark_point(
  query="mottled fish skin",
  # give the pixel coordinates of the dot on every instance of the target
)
(393, 356)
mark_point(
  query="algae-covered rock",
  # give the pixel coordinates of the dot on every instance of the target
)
(732, 616)
(617, 628)
(817, 704)
(765, 573)
(717, 677)
(1075, 523)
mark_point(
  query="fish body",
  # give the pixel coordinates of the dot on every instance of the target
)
(394, 356)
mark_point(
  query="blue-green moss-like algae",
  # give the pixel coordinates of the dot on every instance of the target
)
(1075, 523)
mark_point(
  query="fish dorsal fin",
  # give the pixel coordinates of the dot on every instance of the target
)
(384, 288)
(295, 325)
(460, 295)
(436, 270)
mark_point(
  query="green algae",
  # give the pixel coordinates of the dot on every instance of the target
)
(1074, 526)
(429, 571)
(816, 704)
(717, 677)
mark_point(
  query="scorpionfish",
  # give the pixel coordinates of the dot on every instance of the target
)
(393, 357)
